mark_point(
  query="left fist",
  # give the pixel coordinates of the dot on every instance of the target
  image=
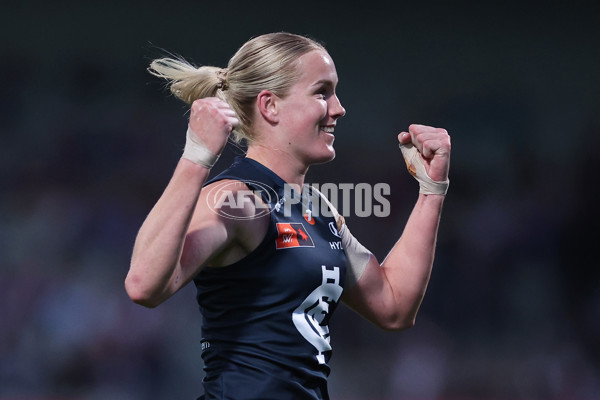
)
(433, 145)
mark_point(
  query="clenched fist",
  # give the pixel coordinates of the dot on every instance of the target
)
(433, 146)
(211, 121)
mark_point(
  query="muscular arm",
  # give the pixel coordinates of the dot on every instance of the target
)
(156, 270)
(390, 294)
(180, 233)
(178, 238)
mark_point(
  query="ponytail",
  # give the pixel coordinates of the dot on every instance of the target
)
(187, 82)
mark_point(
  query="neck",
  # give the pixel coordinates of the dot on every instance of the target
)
(283, 164)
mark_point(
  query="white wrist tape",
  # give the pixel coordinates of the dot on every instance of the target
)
(415, 166)
(196, 151)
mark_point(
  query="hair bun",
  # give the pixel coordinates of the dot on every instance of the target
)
(223, 84)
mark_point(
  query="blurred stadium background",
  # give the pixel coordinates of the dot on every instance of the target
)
(89, 141)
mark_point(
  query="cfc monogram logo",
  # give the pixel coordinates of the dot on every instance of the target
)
(312, 317)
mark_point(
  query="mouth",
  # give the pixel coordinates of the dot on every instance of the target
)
(327, 128)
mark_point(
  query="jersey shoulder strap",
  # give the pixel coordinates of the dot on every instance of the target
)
(250, 172)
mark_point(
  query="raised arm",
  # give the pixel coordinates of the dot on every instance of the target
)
(164, 257)
(390, 294)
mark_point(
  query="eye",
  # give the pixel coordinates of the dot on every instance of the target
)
(323, 94)
(324, 90)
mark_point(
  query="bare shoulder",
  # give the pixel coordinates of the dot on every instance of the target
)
(232, 202)
(236, 216)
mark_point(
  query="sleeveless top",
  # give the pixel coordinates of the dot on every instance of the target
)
(265, 321)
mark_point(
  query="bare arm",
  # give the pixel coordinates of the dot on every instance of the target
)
(157, 270)
(390, 294)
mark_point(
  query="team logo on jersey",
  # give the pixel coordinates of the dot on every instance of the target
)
(311, 318)
(292, 235)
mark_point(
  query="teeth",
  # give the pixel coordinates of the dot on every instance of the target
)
(328, 129)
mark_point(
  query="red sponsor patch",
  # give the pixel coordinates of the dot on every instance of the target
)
(292, 235)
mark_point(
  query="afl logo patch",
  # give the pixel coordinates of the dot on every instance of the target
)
(292, 235)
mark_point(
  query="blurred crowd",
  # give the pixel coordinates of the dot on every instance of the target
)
(512, 311)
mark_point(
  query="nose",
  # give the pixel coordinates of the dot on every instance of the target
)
(336, 110)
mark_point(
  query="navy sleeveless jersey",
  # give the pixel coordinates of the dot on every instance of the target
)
(265, 321)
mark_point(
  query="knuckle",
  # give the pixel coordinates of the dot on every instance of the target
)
(414, 128)
(199, 102)
(199, 105)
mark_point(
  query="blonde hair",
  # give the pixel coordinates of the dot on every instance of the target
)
(266, 62)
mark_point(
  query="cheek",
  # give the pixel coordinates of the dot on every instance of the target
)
(317, 108)
(323, 109)
(311, 115)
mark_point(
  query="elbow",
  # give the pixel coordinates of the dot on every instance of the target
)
(139, 294)
(397, 323)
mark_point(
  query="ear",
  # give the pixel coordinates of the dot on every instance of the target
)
(268, 103)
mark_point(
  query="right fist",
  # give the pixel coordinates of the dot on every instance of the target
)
(211, 121)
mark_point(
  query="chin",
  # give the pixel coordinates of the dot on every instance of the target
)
(325, 158)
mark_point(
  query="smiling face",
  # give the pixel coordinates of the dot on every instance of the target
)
(309, 112)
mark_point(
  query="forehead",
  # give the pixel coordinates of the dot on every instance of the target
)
(315, 66)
